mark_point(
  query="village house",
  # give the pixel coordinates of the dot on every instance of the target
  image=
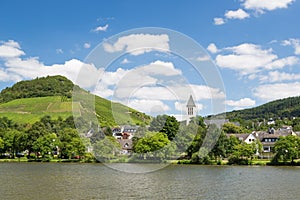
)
(248, 137)
(267, 138)
(124, 135)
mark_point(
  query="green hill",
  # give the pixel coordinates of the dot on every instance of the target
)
(39, 87)
(25, 102)
(289, 107)
(30, 110)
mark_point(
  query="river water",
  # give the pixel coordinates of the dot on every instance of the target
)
(45, 181)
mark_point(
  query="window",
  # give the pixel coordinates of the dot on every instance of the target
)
(190, 111)
(266, 149)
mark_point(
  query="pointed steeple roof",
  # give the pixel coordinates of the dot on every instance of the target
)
(191, 102)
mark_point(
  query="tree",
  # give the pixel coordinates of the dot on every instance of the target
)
(46, 144)
(13, 141)
(107, 131)
(185, 137)
(165, 124)
(106, 149)
(152, 144)
(230, 143)
(296, 124)
(1, 144)
(242, 152)
(197, 141)
(97, 136)
(287, 148)
(219, 149)
(158, 123)
(78, 147)
(232, 128)
(171, 127)
(68, 146)
(38, 129)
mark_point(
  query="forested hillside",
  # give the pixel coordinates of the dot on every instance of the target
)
(39, 87)
(286, 108)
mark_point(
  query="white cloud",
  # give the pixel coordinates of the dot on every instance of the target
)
(270, 92)
(148, 86)
(137, 44)
(126, 82)
(160, 67)
(252, 76)
(212, 48)
(59, 51)
(85, 75)
(12, 43)
(10, 49)
(149, 106)
(103, 91)
(154, 81)
(262, 5)
(276, 76)
(82, 74)
(113, 78)
(101, 28)
(245, 102)
(295, 43)
(256, 6)
(86, 45)
(249, 59)
(125, 61)
(219, 21)
(178, 92)
(280, 63)
(203, 58)
(4, 76)
(146, 74)
(246, 58)
(16, 68)
(30, 68)
(179, 106)
(237, 14)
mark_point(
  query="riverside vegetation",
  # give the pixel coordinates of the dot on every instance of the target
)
(58, 140)
(36, 124)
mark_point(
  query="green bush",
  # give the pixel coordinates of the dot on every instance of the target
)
(238, 161)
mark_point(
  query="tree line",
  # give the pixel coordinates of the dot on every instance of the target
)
(165, 139)
(44, 139)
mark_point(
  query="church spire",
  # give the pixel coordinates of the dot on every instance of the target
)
(190, 106)
(191, 102)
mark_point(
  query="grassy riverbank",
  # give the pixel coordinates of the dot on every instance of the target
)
(255, 162)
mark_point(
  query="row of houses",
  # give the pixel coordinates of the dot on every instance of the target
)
(267, 138)
(124, 135)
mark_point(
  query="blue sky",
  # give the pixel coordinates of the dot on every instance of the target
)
(255, 45)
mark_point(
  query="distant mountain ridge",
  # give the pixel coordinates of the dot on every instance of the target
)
(288, 107)
(28, 101)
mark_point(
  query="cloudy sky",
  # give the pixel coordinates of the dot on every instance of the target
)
(253, 44)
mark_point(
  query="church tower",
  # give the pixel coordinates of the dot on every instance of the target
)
(191, 109)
